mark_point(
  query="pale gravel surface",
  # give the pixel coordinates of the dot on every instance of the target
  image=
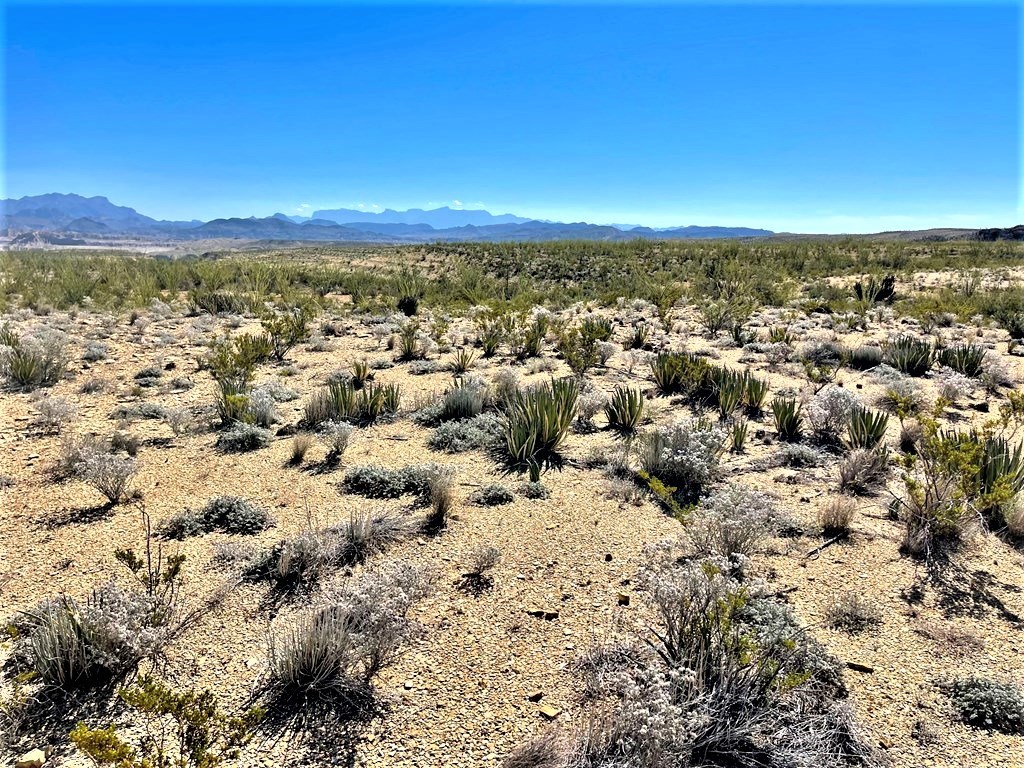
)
(459, 696)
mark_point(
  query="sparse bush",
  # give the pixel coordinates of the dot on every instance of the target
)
(31, 361)
(467, 435)
(95, 351)
(482, 559)
(107, 473)
(988, 704)
(863, 470)
(336, 435)
(828, 413)
(684, 456)
(836, 515)
(799, 455)
(492, 495)
(185, 730)
(534, 490)
(231, 514)
(732, 521)
(853, 613)
(53, 414)
(242, 437)
(301, 444)
(333, 653)
(442, 498)
(288, 329)
(178, 419)
(864, 358)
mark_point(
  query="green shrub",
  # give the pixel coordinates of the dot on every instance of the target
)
(492, 495)
(865, 428)
(242, 437)
(184, 730)
(788, 418)
(988, 704)
(625, 410)
(289, 328)
(909, 355)
(230, 514)
(466, 435)
(409, 287)
(863, 470)
(33, 361)
(377, 482)
(683, 457)
(754, 394)
(341, 401)
(864, 358)
(534, 425)
(967, 359)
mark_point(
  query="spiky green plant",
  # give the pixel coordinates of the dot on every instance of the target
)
(788, 418)
(491, 334)
(463, 361)
(909, 355)
(863, 358)
(755, 392)
(639, 336)
(967, 359)
(534, 425)
(409, 288)
(625, 410)
(409, 347)
(738, 435)
(361, 373)
(866, 428)
(730, 388)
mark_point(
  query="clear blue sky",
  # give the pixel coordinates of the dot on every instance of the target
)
(807, 117)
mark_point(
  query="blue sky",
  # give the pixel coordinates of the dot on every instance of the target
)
(802, 117)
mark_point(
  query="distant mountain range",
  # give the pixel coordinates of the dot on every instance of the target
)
(97, 219)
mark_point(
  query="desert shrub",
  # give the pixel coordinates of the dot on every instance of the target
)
(467, 435)
(492, 495)
(72, 642)
(146, 411)
(836, 515)
(149, 376)
(377, 482)
(734, 681)
(683, 456)
(185, 730)
(301, 444)
(788, 416)
(289, 328)
(799, 455)
(988, 704)
(683, 373)
(966, 359)
(733, 520)
(341, 401)
(260, 409)
(909, 355)
(442, 498)
(864, 470)
(462, 361)
(336, 435)
(33, 360)
(122, 441)
(231, 514)
(242, 437)
(465, 400)
(107, 473)
(409, 287)
(534, 425)
(911, 433)
(864, 358)
(304, 559)
(534, 490)
(874, 291)
(828, 413)
(853, 613)
(822, 354)
(588, 405)
(332, 654)
(864, 428)
(53, 414)
(95, 351)
(755, 391)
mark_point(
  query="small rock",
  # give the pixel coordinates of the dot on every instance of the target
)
(856, 666)
(549, 712)
(608, 557)
(535, 696)
(34, 758)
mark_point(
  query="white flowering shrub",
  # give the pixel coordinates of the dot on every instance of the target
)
(733, 521)
(828, 412)
(107, 473)
(332, 653)
(953, 386)
(684, 455)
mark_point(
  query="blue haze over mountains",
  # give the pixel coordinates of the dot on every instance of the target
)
(71, 214)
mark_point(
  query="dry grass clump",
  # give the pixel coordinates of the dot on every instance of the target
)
(836, 515)
(853, 613)
(864, 470)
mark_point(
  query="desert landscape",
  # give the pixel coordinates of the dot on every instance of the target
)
(576, 503)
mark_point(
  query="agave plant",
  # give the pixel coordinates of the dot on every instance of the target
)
(967, 359)
(788, 418)
(409, 342)
(639, 337)
(463, 361)
(534, 426)
(1000, 473)
(409, 288)
(361, 373)
(490, 336)
(667, 369)
(866, 428)
(738, 435)
(731, 388)
(909, 355)
(755, 391)
(624, 410)
(874, 291)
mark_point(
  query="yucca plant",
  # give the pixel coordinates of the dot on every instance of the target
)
(667, 369)
(409, 342)
(866, 428)
(909, 355)
(639, 337)
(1000, 474)
(738, 435)
(755, 392)
(624, 410)
(463, 361)
(967, 359)
(874, 291)
(534, 425)
(730, 389)
(361, 373)
(409, 288)
(490, 336)
(779, 334)
(788, 418)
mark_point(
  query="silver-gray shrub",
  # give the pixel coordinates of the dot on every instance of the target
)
(733, 521)
(684, 455)
(332, 653)
(828, 413)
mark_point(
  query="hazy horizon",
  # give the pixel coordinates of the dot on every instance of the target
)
(820, 118)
